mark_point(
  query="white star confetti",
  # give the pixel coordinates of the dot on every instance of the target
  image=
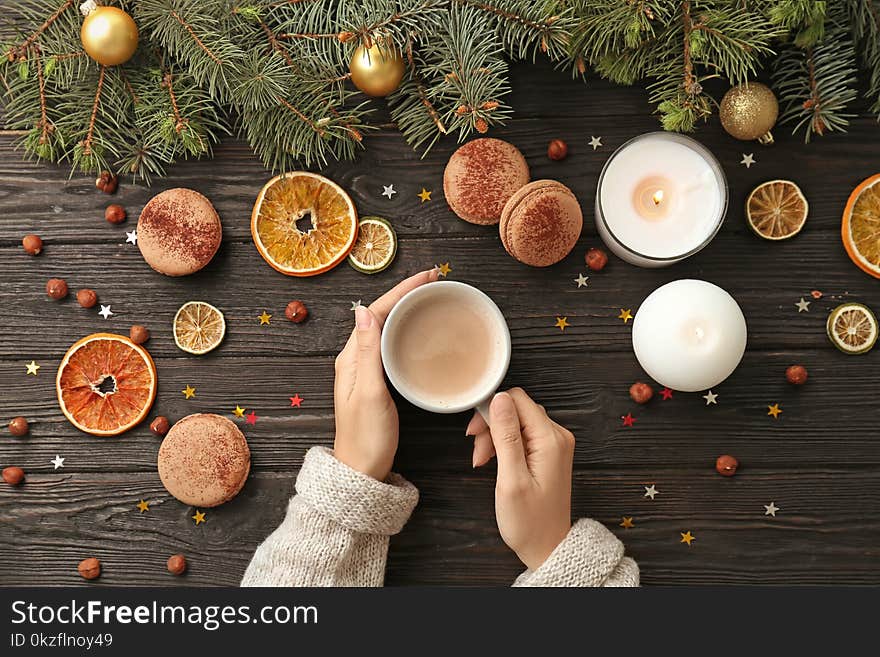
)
(710, 398)
(105, 311)
(58, 461)
(355, 305)
(581, 280)
(771, 509)
(131, 237)
(389, 191)
(651, 491)
(803, 306)
(748, 160)
(595, 142)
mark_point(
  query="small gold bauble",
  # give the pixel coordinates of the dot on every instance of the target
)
(748, 111)
(378, 70)
(109, 36)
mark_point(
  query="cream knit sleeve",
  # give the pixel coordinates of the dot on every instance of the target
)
(336, 530)
(589, 556)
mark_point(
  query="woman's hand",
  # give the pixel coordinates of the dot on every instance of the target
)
(533, 490)
(366, 419)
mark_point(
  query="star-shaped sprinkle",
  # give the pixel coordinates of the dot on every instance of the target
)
(105, 311)
(711, 398)
(666, 393)
(581, 280)
(628, 420)
(651, 491)
(264, 318)
(561, 323)
(32, 367)
(625, 315)
(131, 237)
(425, 195)
(388, 190)
(58, 461)
(356, 304)
(251, 417)
(687, 537)
(803, 306)
(143, 506)
(188, 392)
(444, 269)
(774, 410)
(771, 509)
(239, 411)
(627, 522)
(748, 160)
(199, 517)
(296, 400)
(595, 142)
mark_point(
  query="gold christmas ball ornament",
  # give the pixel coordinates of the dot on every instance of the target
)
(109, 36)
(748, 111)
(377, 70)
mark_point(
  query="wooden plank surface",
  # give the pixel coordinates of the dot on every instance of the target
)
(820, 463)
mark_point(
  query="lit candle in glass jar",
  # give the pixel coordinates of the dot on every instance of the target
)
(661, 198)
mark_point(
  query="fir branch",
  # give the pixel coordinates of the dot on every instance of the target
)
(86, 143)
(22, 49)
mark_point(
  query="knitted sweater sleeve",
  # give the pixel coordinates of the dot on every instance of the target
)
(589, 556)
(336, 530)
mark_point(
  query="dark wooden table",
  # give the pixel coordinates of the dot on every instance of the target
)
(819, 463)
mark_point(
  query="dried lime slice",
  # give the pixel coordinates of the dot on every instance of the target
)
(375, 247)
(852, 327)
(198, 327)
(777, 210)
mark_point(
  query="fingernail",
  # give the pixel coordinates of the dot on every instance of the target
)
(363, 318)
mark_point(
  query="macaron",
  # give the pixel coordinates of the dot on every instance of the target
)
(178, 232)
(541, 223)
(481, 176)
(204, 460)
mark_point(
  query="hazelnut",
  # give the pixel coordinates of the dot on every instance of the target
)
(18, 426)
(557, 150)
(115, 214)
(160, 425)
(641, 393)
(796, 375)
(86, 298)
(296, 312)
(107, 182)
(176, 564)
(596, 259)
(89, 568)
(56, 288)
(13, 475)
(139, 334)
(726, 465)
(32, 244)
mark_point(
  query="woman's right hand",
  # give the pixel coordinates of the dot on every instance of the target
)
(533, 488)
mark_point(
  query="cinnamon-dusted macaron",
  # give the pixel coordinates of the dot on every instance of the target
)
(541, 223)
(178, 232)
(481, 176)
(204, 460)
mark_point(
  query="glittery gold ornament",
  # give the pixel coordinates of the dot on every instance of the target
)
(749, 111)
(109, 36)
(377, 70)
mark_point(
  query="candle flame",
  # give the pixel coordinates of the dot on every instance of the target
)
(657, 197)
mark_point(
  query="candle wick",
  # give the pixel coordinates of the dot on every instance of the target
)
(657, 197)
(700, 333)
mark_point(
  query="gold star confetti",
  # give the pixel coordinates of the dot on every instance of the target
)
(264, 318)
(199, 517)
(425, 195)
(444, 268)
(189, 391)
(687, 537)
(774, 410)
(143, 506)
(561, 323)
(32, 368)
(625, 315)
(239, 411)
(627, 522)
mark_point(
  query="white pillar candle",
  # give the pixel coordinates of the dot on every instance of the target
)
(661, 198)
(689, 335)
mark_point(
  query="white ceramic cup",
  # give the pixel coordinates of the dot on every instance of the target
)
(480, 397)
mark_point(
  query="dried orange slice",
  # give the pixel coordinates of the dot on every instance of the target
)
(198, 327)
(106, 384)
(777, 210)
(861, 226)
(303, 224)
